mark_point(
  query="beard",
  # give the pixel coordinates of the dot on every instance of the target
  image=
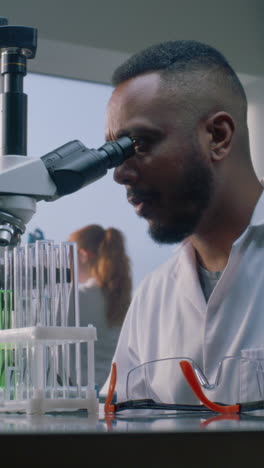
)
(192, 193)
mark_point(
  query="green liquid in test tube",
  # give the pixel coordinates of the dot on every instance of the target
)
(6, 307)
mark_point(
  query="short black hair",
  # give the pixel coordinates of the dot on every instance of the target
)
(177, 56)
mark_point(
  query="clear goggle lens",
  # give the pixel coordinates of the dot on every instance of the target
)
(236, 379)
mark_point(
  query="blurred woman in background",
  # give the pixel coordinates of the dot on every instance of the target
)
(105, 287)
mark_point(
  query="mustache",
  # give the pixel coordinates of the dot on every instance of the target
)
(139, 195)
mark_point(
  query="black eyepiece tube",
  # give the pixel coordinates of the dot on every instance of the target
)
(117, 151)
(73, 166)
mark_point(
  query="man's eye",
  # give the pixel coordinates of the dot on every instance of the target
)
(140, 145)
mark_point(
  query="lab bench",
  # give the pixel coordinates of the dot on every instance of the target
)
(141, 439)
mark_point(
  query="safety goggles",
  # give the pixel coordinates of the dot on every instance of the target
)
(236, 387)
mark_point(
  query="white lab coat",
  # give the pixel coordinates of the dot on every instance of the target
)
(169, 317)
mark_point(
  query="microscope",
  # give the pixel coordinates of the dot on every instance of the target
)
(23, 180)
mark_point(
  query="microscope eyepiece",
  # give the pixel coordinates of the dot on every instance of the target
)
(58, 173)
(73, 166)
(117, 151)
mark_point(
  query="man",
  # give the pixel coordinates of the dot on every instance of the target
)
(192, 179)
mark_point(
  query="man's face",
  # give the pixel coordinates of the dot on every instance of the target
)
(169, 179)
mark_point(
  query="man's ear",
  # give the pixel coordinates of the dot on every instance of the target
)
(221, 128)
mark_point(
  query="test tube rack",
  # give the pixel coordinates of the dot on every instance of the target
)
(37, 346)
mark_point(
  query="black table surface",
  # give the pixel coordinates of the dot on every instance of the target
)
(132, 439)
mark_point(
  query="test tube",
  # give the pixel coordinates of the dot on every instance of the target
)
(6, 287)
(70, 307)
(6, 314)
(45, 282)
(25, 297)
(90, 362)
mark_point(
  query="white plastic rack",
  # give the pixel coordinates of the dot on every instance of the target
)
(38, 348)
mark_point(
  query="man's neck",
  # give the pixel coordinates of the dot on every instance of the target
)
(214, 238)
(212, 259)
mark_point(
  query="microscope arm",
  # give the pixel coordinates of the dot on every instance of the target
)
(24, 181)
(62, 171)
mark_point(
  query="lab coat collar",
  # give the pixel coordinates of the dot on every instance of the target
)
(257, 218)
(191, 286)
(256, 221)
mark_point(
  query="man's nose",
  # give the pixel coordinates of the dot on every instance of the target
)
(126, 173)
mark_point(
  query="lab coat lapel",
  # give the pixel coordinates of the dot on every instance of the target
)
(191, 286)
